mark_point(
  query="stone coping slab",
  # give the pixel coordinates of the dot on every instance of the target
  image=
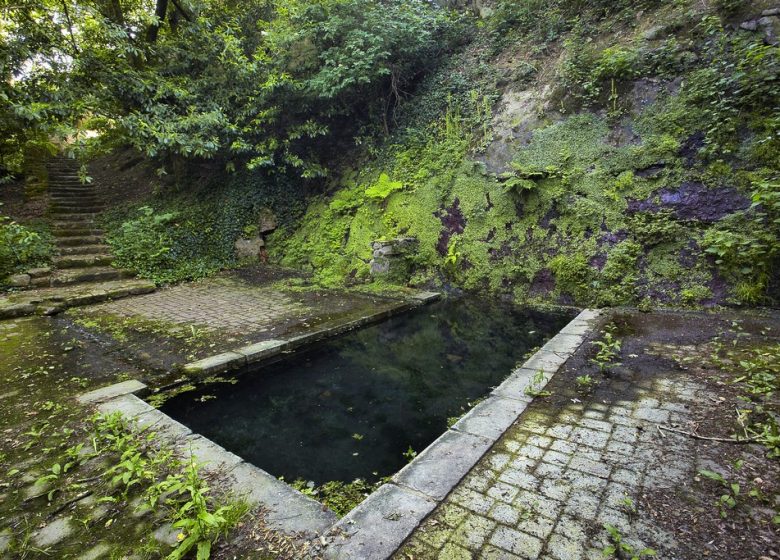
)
(377, 527)
(287, 509)
(107, 393)
(253, 353)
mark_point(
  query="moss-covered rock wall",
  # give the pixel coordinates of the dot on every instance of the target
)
(631, 159)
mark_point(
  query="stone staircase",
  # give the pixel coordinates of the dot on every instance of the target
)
(83, 254)
(82, 271)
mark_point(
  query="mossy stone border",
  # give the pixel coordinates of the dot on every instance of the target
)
(383, 521)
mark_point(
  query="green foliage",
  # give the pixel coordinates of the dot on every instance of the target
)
(746, 246)
(340, 497)
(166, 485)
(621, 549)
(655, 228)
(22, 248)
(608, 349)
(585, 383)
(266, 84)
(573, 275)
(182, 236)
(383, 187)
(536, 387)
(200, 523)
(739, 80)
(756, 371)
(618, 278)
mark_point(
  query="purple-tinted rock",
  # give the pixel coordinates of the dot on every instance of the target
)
(543, 283)
(694, 201)
(598, 261)
(689, 150)
(453, 222)
(689, 255)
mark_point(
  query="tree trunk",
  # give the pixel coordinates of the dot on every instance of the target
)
(159, 12)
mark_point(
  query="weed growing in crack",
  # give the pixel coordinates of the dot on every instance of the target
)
(620, 549)
(608, 349)
(535, 389)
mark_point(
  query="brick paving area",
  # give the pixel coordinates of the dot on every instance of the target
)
(550, 484)
(215, 304)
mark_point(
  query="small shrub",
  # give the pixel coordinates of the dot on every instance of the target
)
(22, 248)
(573, 275)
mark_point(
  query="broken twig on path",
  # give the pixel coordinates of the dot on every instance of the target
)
(708, 438)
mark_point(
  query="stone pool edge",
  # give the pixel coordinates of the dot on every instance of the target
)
(382, 522)
(254, 353)
(385, 519)
(286, 509)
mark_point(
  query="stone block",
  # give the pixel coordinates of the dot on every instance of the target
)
(112, 391)
(437, 470)
(208, 455)
(249, 248)
(261, 350)
(491, 418)
(11, 310)
(427, 297)
(287, 509)
(545, 361)
(53, 533)
(267, 221)
(219, 363)
(564, 344)
(39, 272)
(18, 280)
(515, 386)
(378, 526)
(163, 425)
(129, 406)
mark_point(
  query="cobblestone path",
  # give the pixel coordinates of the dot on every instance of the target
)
(572, 464)
(214, 304)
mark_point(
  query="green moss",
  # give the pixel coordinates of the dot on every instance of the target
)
(565, 206)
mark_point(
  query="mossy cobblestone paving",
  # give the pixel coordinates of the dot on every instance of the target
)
(547, 489)
(555, 476)
(211, 304)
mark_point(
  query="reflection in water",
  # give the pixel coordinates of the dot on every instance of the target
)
(351, 407)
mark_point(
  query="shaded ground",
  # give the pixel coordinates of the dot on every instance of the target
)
(578, 460)
(46, 361)
(164, 330)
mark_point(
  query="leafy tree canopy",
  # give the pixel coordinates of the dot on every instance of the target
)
(266, 84)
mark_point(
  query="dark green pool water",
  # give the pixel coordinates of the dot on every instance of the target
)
(349, 408)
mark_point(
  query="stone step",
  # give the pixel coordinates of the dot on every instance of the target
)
(49, 301)
(98, 249)
(85, 198)
(85, 217)
(78, 241)
(71, 190)
(81, 261)
(89, 274)
(65, 231)
(75, 209)
(66, 181)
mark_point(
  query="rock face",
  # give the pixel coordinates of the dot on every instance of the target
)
(392, 258)
(267, 222)
(252, 248)
(694, 201)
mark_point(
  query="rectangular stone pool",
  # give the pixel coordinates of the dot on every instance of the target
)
(354, 407)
